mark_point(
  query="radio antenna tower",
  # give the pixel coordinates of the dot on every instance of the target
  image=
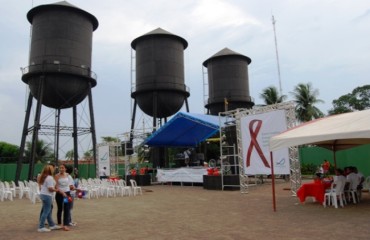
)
(277, 55)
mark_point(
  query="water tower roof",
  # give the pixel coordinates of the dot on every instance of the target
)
(159, 31)
(226, 52)
(62, 4)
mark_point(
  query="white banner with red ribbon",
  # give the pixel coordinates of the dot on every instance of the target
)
(256, 132)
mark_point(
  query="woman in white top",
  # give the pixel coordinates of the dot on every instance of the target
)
(64, 186)
(47, 184)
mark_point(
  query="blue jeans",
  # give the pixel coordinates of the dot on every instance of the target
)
(46, 211)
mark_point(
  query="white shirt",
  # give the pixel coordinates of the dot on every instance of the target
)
(102, 172)
(360, 176)
(64, 183)
(352, 178)
(49, 182)
(340, 182)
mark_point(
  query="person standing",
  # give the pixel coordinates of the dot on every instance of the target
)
(69, 170)
(47, 184)
(76, 177)
(103, 173)
(64, 185)
(326, 166)
(320, 171)
(187, 157)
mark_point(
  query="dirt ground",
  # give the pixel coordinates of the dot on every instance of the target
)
(191, 212)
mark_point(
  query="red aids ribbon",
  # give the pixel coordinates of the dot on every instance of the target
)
(254, 132)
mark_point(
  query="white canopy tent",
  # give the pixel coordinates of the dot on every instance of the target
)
(335, 133)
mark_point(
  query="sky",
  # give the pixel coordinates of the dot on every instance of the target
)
(322, 42)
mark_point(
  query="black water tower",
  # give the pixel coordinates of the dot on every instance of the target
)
(160, 89)
(228, 83)
(59, 73)
(61, 47)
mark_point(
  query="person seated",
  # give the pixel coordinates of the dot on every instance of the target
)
(320, 172)
(353, 179)
(347, 171)
(360, 177)
(339, 181)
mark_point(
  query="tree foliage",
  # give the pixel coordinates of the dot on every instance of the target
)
(305, 98)
(70, 154)
(88, 154)
(42, 154)
(357, 100)
(108, 139)
(8, 152)
(270, 95)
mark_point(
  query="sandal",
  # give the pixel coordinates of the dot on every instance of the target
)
(65, 228)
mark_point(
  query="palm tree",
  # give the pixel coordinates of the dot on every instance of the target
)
(70, 154)
(88, 154)
(43, 151)
(305, 98)
(270, 95)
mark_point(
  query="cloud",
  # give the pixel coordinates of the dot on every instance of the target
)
(217, 13)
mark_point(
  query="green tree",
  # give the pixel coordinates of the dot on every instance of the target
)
(43, 151)
(8, 153)
(305, 98)
(270, 95)
(70, 155)
(108, 139)
(357, 100)
(88, 154)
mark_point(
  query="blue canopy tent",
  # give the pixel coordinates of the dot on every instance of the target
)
(184, 130)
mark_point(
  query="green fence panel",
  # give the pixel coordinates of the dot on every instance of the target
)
(7, 170)
(357, 156)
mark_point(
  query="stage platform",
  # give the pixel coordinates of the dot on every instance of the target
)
(231, 182)
(141, 180)
(181, 175)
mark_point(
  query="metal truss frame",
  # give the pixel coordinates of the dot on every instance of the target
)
(233, 118)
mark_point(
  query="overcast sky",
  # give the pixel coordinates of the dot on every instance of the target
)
(323, 42)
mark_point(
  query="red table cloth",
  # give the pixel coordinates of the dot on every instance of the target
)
(315, 189)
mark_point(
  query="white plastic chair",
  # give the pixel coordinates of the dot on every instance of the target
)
(92, 192)
(23, 190)
(8, 187)
(13, 185)
(123, 189)
(333, 195)
(108, 188)
(5, 193)
(135, 189)
(35, 192)
(351, 193)
(367, 183)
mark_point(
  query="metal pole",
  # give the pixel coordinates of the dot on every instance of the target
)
(23, 140)
(57, 132)
(277, 55)
(93, 132)
(273, 183)
(36, 127)
(75, 138)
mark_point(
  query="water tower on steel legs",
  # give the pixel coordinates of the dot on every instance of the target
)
(228, 86)
(159, 90)
(228, 82)
(59, 74)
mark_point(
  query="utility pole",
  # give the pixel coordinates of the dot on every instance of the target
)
(277, 56)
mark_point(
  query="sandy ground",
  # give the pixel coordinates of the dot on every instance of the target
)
(190, 212)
